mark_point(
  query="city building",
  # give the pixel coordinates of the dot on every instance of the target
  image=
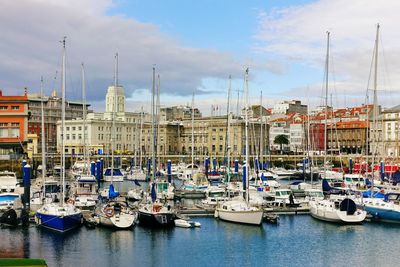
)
(391, 132)
(99, 128)
(52, 114)
(13, 125)
(287, 107)
(178, 113)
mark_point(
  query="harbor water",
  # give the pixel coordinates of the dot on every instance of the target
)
(299, 240)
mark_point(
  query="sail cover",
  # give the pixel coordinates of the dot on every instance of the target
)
(153, 192)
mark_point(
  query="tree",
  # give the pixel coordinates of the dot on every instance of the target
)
(281, 140)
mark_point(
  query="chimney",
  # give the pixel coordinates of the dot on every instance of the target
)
(1, 93)
(26, 91)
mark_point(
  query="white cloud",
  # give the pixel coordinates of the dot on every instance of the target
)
(30, 31)
(298, 34)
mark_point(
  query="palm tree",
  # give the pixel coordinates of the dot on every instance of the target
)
(281, 140)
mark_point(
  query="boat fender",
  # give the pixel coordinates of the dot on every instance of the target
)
(157, 208)
(109, 212)
(71, 201)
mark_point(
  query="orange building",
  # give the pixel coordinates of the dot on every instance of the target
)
(13, 124)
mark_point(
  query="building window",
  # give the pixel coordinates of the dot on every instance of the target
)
(73, 128)
(15, 107)
(67, 128)
(79, 136)
(67, 136)
(3, 124)
(220, 148)
(3, 132)
(80, 128)
(14, 132)
(3, 107)
(213, 148)
(15, 124)
(73, 137)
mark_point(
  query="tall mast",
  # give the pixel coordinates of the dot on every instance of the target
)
(153, 129)
(261, 130)
(326, 99)
(375, 110)
(228, 130)
(246, 77)
(158, 120)
(63, 83)
(113, 117)
(43, 138)
(192, 133)
(140, 138)
(84, 120)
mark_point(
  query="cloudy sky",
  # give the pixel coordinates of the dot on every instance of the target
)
(196, 45)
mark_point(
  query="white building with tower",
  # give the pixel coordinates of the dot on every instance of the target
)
(98, 133)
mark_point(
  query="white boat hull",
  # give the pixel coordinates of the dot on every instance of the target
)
(245, 217)
(114, 179)
(118, 220)
(335, 215)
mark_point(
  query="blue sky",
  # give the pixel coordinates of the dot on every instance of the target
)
(196, 45)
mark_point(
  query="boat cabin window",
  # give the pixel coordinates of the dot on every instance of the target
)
(162, 187)
(216, 194)
(282, 193)
(393, 197)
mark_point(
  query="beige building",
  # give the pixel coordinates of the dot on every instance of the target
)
(99, 127)
(391, 131)
(175, 134)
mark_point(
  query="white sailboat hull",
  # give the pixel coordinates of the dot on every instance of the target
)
(114, 179)
(246, 217)
(325, 213)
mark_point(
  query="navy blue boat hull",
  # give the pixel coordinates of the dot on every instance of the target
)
(160, 220)
(57, 223)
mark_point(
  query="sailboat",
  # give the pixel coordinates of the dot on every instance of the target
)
(155, 214)
(388, 208)
(136, 172)
(114, 174)
(60, 216)
(115, 212)
(46, 189)
(339, 209)
(238, 210)
(85, 185)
